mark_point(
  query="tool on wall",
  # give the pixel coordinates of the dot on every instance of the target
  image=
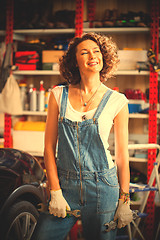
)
(152, 60)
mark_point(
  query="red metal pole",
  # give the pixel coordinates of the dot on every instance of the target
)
(79, 18)
(9, 39)
(91, 12)
(152, 134)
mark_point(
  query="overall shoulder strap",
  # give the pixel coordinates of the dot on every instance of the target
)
(64, 101)
(102, 103)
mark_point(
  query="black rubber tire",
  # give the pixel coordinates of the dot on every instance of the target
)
(21, 221)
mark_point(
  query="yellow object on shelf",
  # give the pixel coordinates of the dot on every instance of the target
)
(136, 49)
(51, 56)
(1, 142)
(30, 126)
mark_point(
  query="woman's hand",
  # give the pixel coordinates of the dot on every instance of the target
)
(123, 214)
(58, 205)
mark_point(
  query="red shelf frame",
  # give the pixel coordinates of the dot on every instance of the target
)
(8, 39)
(152, 124)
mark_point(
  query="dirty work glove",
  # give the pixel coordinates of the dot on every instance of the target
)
(123, 214)
(58, 205)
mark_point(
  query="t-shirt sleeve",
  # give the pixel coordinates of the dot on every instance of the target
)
(57, 92)
(119, 100)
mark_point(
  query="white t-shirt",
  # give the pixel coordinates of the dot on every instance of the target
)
(115, 103)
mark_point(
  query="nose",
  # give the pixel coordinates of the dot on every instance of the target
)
(91, 55)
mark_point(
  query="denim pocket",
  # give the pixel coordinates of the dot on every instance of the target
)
(108, 191)
(110, 179)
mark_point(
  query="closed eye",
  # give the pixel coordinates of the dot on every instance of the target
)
(84, 53)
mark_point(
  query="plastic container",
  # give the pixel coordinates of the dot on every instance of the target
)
(41, 98)
(135, 106)
(33, 99)
(23, 95)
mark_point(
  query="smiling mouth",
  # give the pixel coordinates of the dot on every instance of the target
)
(93, 63)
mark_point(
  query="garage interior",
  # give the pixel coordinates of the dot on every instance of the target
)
(35, 34)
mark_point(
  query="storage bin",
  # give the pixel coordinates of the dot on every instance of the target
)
(27, 60)
(136, 106)
(29, 141)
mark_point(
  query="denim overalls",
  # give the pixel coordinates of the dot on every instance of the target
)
(85, 178)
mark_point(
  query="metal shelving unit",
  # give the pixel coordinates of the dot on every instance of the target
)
(22, 33)
(35, 72)
(34, 32)
(50, 72)
(131, 115)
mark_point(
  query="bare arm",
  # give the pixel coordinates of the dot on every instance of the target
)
(121, 148)
(123, 213)
(51, 134)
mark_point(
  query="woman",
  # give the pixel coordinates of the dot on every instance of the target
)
(80, 117)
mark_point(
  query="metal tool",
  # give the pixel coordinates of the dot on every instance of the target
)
(113, 224)
(76, 213)
(44, 208)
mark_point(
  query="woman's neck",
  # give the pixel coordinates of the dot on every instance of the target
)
(89, 83)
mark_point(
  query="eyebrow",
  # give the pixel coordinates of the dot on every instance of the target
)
(84, 49)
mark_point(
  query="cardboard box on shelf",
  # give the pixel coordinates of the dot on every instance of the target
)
(51, 56)
(129, 58)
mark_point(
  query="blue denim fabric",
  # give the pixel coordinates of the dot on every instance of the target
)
(100, 195)
(85, 178)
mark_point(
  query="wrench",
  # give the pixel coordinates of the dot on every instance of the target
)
(44, 208)
(113, 224)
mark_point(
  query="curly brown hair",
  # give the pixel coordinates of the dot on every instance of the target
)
(108, 48)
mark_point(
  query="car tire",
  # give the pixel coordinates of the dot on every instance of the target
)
(21, 221)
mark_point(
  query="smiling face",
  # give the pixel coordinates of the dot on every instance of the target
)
(89, 57)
